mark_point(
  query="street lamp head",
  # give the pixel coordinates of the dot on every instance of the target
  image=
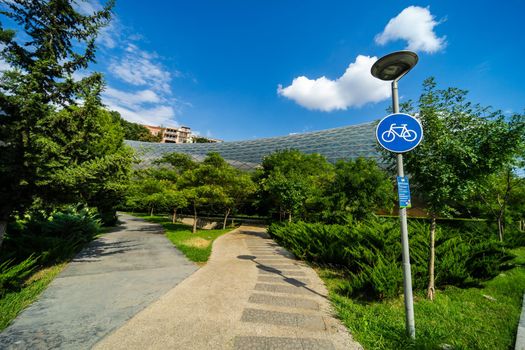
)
(394, 65)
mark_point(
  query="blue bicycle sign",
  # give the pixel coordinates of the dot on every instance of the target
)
(399, 132)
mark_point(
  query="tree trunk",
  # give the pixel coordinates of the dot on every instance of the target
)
(289, 216)
(431, 285)
(3, 226)
(501, 229)
(151, 211)
(503, 206)
(174, 217)
(194, 229)
(225, 218)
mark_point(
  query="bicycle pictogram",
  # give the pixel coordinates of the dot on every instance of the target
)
(399, 131)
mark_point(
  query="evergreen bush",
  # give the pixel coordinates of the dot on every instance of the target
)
(52, 238)
(370, 253)
(13, 276)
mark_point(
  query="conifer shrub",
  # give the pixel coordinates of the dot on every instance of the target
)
(53, 238)
(13, 276)
(369, 254)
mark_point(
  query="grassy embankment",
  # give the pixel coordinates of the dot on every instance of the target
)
(14, 302)
(471, 318)
(41, 275)
(196, 246)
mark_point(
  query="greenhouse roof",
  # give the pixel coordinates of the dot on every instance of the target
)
(347, 142)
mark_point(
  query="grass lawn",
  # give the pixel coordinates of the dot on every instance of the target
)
(462, 318)
(13, 303)
(196, 246)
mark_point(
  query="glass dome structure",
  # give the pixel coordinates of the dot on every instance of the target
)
(347, 142)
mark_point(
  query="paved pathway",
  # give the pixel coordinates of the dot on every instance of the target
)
(111, 280)
(251, 295)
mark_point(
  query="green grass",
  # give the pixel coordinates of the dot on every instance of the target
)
(13, 303)
(196, 246)
(462, 318)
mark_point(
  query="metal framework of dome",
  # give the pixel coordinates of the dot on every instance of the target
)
(347, 142)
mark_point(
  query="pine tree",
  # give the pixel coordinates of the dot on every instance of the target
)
(55, 42)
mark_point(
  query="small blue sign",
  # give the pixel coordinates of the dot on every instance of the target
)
(399, 132)
(403, 192)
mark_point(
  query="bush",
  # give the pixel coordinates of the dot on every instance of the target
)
(370, 253)
(71, 222)
(12, 277)
(514, 237)
(54, 238)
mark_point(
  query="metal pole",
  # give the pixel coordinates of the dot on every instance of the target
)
(407, 275)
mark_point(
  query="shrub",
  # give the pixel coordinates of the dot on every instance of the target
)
(370, 253)
(514, 237)
(81, 223)
(54, 238)
(12, 276)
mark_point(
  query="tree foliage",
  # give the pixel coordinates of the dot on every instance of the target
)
(136, 132)
(294, 183)
(359, 189)
(178, 182)
(463, 143)
(50, 146)
(290, 179)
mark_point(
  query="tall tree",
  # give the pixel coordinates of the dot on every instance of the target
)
(175, 200)
(56, 42)
(237, 186)
(462, 143)
(290, 178)
(202, 183)
(494, 194)
(359, 189)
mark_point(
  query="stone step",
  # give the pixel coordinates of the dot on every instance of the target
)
(277, 288)
(280, 343)
(287, 319)
(299, 303)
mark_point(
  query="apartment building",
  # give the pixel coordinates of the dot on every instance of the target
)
(177, 135)
(171, 134)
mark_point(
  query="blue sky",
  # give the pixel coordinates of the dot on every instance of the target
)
(216, 66)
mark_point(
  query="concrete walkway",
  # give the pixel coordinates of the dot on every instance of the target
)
(250, 295)
(520, 335)
(111, 280)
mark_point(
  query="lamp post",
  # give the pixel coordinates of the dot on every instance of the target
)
(393, 67)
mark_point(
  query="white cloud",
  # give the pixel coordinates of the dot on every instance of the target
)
(355, 87)
(132, 98)
(146, 98)
(87, 7)
(144, 106)
(138, 67)
(109, 35)
(4, 66)
(415, 25)
(156, 115)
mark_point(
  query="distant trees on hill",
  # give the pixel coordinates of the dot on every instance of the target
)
(134, 131)
(200, 139)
